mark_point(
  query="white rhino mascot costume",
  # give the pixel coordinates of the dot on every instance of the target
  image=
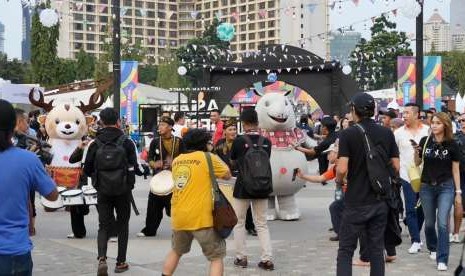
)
(277, 122)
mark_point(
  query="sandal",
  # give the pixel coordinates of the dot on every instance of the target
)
(121, 267)
(102, 267)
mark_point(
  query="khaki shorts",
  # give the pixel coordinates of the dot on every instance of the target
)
(213, 247)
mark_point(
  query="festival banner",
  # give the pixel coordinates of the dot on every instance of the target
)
(129, 83)
(432, 84)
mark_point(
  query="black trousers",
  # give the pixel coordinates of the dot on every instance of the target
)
(335, 210)
(107, 205)
(77, 214)
(355, 220)
(155, 207)
(249, 225)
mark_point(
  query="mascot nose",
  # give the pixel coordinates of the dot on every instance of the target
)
(67, 126)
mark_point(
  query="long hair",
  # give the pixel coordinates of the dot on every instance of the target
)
(445, 120)
(5, 140)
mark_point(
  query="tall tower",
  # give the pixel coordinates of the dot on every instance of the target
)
(2, 38)
(26, 41)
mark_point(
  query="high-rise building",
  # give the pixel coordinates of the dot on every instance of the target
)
(343, 44)
(458, 38)
(161, 25)
(436, 32)
(2, 38)
(26, 40)
(457, 24)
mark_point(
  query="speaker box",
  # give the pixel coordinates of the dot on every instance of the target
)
(149, 119)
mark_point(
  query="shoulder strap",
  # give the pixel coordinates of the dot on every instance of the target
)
(248, 140)
(216, 189)
(99, 142)
(367, 141)
(261, 140)
(121, 140)
(424, 149)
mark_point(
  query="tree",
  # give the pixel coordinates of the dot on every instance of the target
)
(374, 62)
(148, 74)
(12, 70)
(205, 49)
(44, 49)
(168, 77)
(66, 71)
(85, 66)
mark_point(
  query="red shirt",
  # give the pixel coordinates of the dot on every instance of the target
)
(218, 132)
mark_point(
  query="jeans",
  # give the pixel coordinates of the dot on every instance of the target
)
(438, 198)
(259, 208)
(106, 207)
(355, 220)
(20, 265)
(335, 210)
(413, 216)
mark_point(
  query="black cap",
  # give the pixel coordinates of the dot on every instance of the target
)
(390, 113)
(363, 102)
(168, 120)
(7, 116)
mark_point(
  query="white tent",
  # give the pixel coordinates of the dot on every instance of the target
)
(383, 93)
(15, 93)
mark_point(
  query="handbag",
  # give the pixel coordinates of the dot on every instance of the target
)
(414, 172)
(224, 217)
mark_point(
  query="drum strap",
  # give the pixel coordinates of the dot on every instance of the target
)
(172, 148)
(134, 207)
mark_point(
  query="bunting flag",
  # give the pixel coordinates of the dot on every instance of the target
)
(218, 15)
(235, 15)
(312, 7)
(394, 12)
(170, 13)
(332, 5)
(79, 6)
(372, 1)
(143, 12)
(194, 14)
(356, 2)
(102, 7)
(123, 11)
(161, 42)
(262, 13)
(373, 19)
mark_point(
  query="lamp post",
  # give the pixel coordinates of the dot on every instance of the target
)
(419, 57)
(116, 55)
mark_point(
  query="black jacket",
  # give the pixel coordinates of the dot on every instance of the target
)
(109, 134)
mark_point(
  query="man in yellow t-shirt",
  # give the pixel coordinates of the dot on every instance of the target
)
(192, 204)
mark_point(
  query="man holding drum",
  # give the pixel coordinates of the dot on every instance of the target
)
(163, 150)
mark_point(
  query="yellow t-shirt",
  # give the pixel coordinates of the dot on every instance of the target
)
(192, 201)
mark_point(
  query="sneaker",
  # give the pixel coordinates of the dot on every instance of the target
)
(70, 236)
(442, 267)
(390, 259)
(432, 256)
(113, 239)
(334, 238)
(241, 262)
(454, 238)
(140, 235)
(415, 248)
(252, 232)
(266, 265)
(121, 267)
(102, 267)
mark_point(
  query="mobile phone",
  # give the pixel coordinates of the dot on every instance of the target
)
(413, 142)
(294, 173)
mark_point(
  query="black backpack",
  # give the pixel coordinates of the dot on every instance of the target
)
(111, 167)
(256, 169)
(378, 166)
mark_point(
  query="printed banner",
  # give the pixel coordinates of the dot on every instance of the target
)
(432, 81)
(129, 82)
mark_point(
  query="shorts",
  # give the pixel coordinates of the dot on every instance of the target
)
(213, 246)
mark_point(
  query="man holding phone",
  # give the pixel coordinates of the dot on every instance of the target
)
(406, 136)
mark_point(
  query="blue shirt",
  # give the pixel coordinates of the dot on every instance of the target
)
(20, 172)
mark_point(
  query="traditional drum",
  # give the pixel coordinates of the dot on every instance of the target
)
(72, 197)
(64, 176)
(90, 195)
(162, 183)
(51, 206)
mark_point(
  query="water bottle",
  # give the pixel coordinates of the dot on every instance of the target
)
(338, 194)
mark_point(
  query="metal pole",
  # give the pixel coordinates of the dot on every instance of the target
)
(419, 58)
(116, 55)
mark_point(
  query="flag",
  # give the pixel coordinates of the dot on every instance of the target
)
(194, 14)
(262, 13)
(312, 7)
(356, 2)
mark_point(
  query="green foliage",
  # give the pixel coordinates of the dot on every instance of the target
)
(13, 70)
(44, 50)
(85, 65)
(374, 62)
(168, 77)
(148, 74)
(453, 69)
(66, 71)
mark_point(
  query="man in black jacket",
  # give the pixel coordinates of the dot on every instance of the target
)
(108, 204)
(163, 149)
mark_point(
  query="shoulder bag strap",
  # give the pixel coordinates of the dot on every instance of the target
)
(248, 141)
(424, 149)
(261, 140)
(367, 141)
(215, 188)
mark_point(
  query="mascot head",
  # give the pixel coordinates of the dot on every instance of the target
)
(66, 121)
(275, 112)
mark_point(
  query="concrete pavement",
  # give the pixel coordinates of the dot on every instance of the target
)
(300, 247)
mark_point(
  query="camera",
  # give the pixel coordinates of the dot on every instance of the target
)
(42, 149)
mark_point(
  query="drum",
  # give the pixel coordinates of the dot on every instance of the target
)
(51, 206)
(90, 195)
(162, 183)
(72, 197)
(61, 190)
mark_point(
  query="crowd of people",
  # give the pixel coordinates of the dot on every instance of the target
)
(405, 137)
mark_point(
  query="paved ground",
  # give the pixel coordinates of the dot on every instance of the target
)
(299, 247)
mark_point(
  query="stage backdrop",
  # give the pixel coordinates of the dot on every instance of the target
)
(432, 80)
(129, 82)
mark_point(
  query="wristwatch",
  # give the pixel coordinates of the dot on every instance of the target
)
(458, 192)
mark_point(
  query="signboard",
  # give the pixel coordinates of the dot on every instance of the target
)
(129, 82)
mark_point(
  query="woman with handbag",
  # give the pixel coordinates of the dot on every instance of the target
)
(440, 186)
(192, 204)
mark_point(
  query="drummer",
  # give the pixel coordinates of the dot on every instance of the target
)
(163, 149)
(223, 150)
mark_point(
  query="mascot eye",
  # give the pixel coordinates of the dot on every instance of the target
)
(57, 121)
(78, 122)
(267, 103)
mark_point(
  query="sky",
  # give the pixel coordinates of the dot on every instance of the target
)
(10, 16)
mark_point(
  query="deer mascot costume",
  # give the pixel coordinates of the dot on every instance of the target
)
(66, 125)
(277, 122)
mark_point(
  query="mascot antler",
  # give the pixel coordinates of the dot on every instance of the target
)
(41, 102)
(96, 99)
